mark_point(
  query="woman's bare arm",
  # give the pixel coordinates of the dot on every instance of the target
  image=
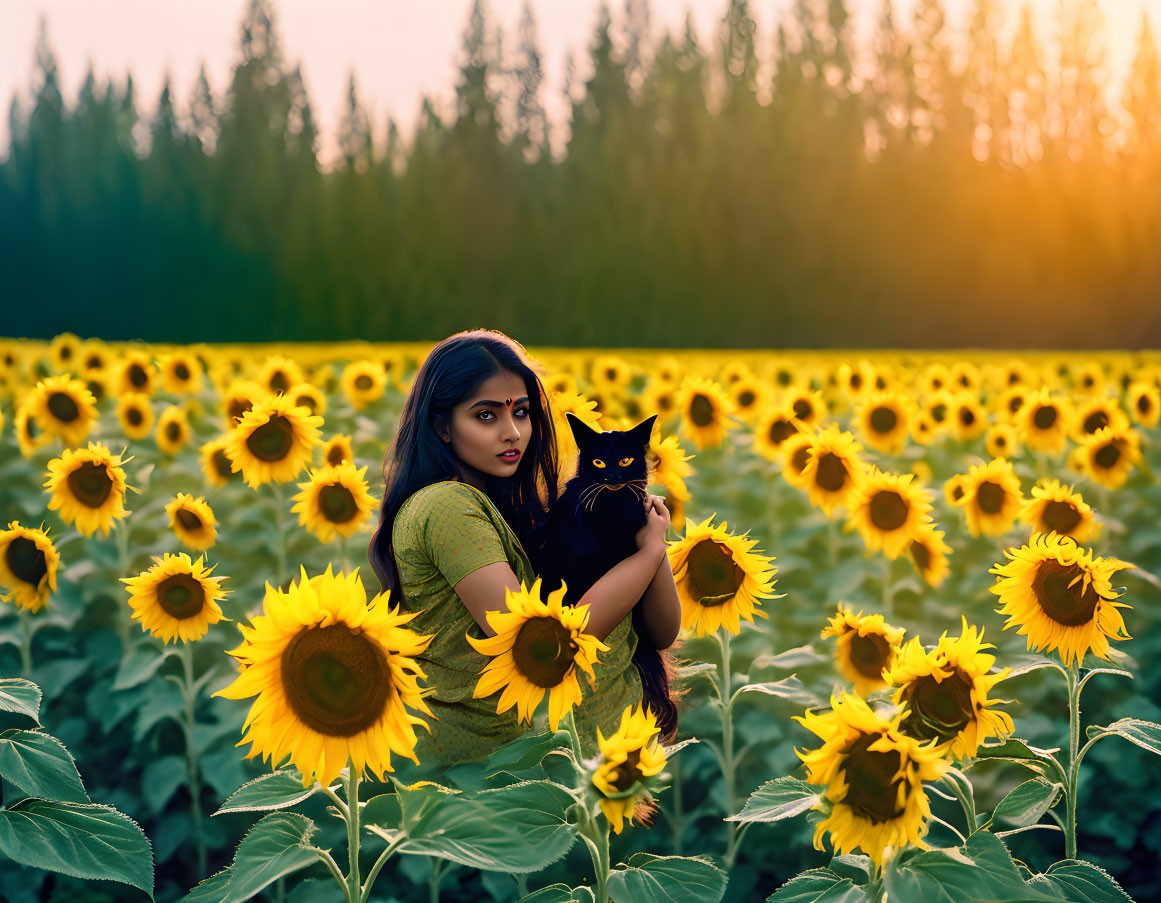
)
(661, 606)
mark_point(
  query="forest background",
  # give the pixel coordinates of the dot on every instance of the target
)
(929, 188)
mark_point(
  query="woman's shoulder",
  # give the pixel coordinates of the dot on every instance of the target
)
(439, 496)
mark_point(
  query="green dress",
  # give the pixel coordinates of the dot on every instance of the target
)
(441, 534)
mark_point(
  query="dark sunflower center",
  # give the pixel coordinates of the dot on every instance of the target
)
(1107, 456)
(781, 430)
(939, 709)
(134, 416)
(1000, 440)
(26, 561)
(967, 416)
(799, 458)
(1015, 403)
(363, 382)
(335, 455)
(883, 420)
(308, 402)
(1044, 417)
(273, 440)
(628, 773)
(181, 596)
(872, 787)
(189, 519)
(94, 362)
(610, 374)
(96, 389)
(173, 431)
(832, 472)
(137, 376)
(63, 407)
(1095, 421)
(939, 412)
(701, 411)
(957, 492)
(1064, 601)
(90, 484)
(921, 555)
(1144, 405)
(336, 503)
(856, 381)
(544, 651)
(336, 680)
(990, 497)
(238, 407)
(870, 654)
(746, 398)
(803, 409)
(1060, 517)
(888, 510)
(222, 464)
(714, 578)
(181, 371)
(279, 382)
(784, 377)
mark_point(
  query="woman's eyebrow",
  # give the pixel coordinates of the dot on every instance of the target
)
(498, 404)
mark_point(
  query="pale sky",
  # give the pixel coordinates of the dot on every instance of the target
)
(398, 49)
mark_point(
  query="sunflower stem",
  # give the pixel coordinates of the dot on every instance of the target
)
(1073, 757)
(573, 737)
(888, 602)
(25, 643)
(191, 756)
(728, 749)
(832, 541)
(969, 809)
(596, 838)
(343, 557)
(351, 785)
(438, 867)
(379, 863)
(280, 530)
(125, 617)
(675, 819)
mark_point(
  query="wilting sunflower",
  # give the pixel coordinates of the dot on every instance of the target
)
(1097, 414)
(1109, 455)
(273, 441)
(363, 383)
(719, 579)
(888, 511)
(334, 500)
(873, 775)
(64, 407)
(278, 374)
(1061, 597)
(239, 398)
(929, 554)
(135, 373)
(1145, 403)
(1045, 421)
(192, 521)
(176, 599)
(181, 373)
(884, 421)
(865, 646)
(28, 564)
(705, 408)
(309, 396)
(795, 457)
(172, 430)
(338, 450)
(833, 469)
(774, 426)
(629, 756)
(992, 498)
(216, 464)
(1056, 508)
(945, 691)
(135, 411)
(333, 674)
(538, 646)
(1001, 440)
(88, 487)
(967, 417)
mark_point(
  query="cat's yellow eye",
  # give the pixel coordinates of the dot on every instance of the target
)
(597, 462)
(625, 462)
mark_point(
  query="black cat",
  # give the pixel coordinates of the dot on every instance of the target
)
(593, 526)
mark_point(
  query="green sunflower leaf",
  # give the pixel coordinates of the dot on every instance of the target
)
(789, 688)
(20, 696)
(523, 752)
(646, 878)
(559, 893)
(211, 890)
(1026, 804)
(778, 799)
(819, 886)
(277, 846)
(271, 791)
(40, 766)
(138, 666)
(1081, 882)
(85, 840)
(1144, 734)
(797, 657)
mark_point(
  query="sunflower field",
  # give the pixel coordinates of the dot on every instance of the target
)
(919, 600)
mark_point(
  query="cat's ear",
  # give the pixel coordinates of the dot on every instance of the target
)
(582, 432)
(642, 431)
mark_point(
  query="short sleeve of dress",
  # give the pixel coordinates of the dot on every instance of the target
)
(459, 533)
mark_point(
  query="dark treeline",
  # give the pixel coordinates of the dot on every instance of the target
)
(970, 190)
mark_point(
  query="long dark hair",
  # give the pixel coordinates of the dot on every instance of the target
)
(417, 457)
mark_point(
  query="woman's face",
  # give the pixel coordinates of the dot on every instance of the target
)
(493, 420)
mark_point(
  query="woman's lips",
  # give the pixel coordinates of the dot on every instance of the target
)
(513, 456)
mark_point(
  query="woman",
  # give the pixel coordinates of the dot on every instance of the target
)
(470, 477)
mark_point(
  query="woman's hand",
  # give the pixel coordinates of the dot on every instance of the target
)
(657, 520)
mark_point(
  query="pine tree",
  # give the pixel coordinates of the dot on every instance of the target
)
(737, 56)
(531, 138)
(202, 116)
(354, 136)
(1143, 92)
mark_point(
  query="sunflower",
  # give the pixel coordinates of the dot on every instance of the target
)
(28, 565)
(309, 396)
(135, 373)
(88, 487)
(936, 378)
(670, 469)
(967, 417)
(64, 407)
(216, 464)
(333, 674)
(965, 377)
(334, 500)
(610, 375)
(1145, 403)
(135, 412)
(562, 382)
(884, 421)
(1001, 440)
(923, 428)
(705, 408)
(1010, 402)
(278, 374)
(1017, 373)
(929, 554)
(181, 373)
(719, 579)
(29, 436)
(1061, 597)
(749, 396)
(538, 646)
(992, 498)
(1096, 414)
(1089, 379)
(363, 383)
(807, 405)
(338, 450)
(873, 775)
(172, 430)
(1044, 421)
(774, 426)
(865, 646)
(629, 756)
(945, 691)
(1056, 508)
(64, 351)
(176, 599)
(667, 370)
(856, 378)
(239, 398)
(888, 511)
(1109, 455)
(938, 406)
(273, 441)
(955, 489)
(192, 521)
(833, 469)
